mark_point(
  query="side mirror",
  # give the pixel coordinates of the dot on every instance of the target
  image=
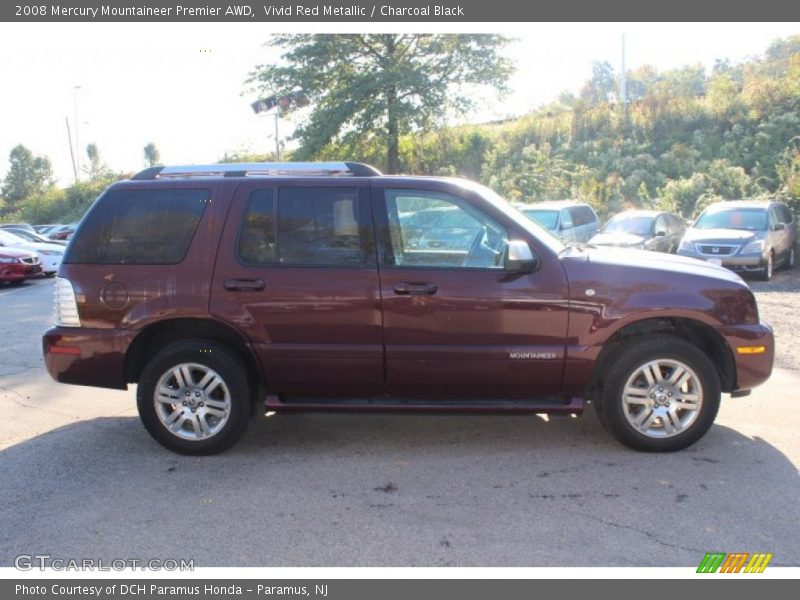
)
(520, 258)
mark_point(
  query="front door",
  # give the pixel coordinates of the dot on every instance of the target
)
(456, 323)
(296, 273)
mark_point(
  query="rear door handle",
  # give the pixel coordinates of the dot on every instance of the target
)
(244, 285)
(413, 288)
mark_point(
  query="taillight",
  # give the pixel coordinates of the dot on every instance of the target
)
(66, 306)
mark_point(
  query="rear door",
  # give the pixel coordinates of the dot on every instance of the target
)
(296, 272)
(456, 324)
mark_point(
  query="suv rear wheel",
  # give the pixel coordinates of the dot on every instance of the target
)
(194, 397)
(662, 394)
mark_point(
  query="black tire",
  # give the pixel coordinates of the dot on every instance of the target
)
(791, 258)
(237, 389)
(765, 274)
(611, 405)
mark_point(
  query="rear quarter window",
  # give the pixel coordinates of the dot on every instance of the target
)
(139, 227)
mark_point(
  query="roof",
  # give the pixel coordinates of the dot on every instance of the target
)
(551, 204)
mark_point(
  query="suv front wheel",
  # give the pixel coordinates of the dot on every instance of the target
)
(660, 395)
(194, 397)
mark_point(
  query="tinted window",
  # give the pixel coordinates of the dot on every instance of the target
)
(567, 219)
(784, 214)
(582, 215)
(443, 231)
(140, 227)
(674, 223)
(257, 237)
(313, 226)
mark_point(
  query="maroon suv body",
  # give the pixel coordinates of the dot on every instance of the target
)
(221, 288)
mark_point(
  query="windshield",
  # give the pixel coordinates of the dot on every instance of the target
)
(545, 218)
(635, 224)
(733, 218)
(542, 234)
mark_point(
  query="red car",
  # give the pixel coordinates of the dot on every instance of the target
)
(298, 286)
(18, 265)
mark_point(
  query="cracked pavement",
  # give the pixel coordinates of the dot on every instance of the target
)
(81, 478)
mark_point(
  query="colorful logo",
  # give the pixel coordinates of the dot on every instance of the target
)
(736, 562)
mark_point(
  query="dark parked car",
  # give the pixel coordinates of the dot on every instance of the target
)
(643, 230)
(62, 232)
(222, 288)
(18, 265)
(746, 236)
(569, 220)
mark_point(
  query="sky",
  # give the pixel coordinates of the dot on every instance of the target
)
(182, 86)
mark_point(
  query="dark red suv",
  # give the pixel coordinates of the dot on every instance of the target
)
(327, 286)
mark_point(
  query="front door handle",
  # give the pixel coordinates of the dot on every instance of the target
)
(244, 285)
(413, 288)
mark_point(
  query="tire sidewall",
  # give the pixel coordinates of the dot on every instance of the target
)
(611, 409)
(219, 359)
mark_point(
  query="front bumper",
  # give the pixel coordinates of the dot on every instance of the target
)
(737, 262)
(19, 272)
(82, 356)
(752, 368)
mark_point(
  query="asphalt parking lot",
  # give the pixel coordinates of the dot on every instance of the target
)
(80, 477)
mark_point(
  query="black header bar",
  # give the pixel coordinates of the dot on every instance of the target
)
(400, 11)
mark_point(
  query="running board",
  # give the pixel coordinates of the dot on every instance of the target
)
(571, 406)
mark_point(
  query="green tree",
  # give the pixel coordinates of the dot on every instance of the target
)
(391, 84)
(97, 170)
(27, 175)
(152, 156)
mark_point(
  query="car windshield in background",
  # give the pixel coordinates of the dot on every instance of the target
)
(635, 224)
(544, 235)
(734, 218)
(545, 218)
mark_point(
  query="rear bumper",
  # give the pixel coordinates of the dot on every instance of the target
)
(752, 369)
(82, 356)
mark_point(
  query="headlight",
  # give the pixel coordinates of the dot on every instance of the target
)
(753, 247)
(9, 261)
(686, 245)
(51, 253)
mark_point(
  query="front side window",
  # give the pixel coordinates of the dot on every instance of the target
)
(434, 229)
(139, 227)
(307, 226)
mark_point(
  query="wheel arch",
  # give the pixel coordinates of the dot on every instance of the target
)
(695, 332)
(157, 335)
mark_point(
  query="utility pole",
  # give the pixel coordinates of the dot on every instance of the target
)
(277, 139)
(71, 151)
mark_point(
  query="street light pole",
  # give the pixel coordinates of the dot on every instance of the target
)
(277, 139)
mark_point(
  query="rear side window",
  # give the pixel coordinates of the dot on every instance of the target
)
(307, 226)
(582, 215)
(784, 214)
(139, 227)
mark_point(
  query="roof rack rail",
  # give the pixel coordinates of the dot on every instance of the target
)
(265, 169)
